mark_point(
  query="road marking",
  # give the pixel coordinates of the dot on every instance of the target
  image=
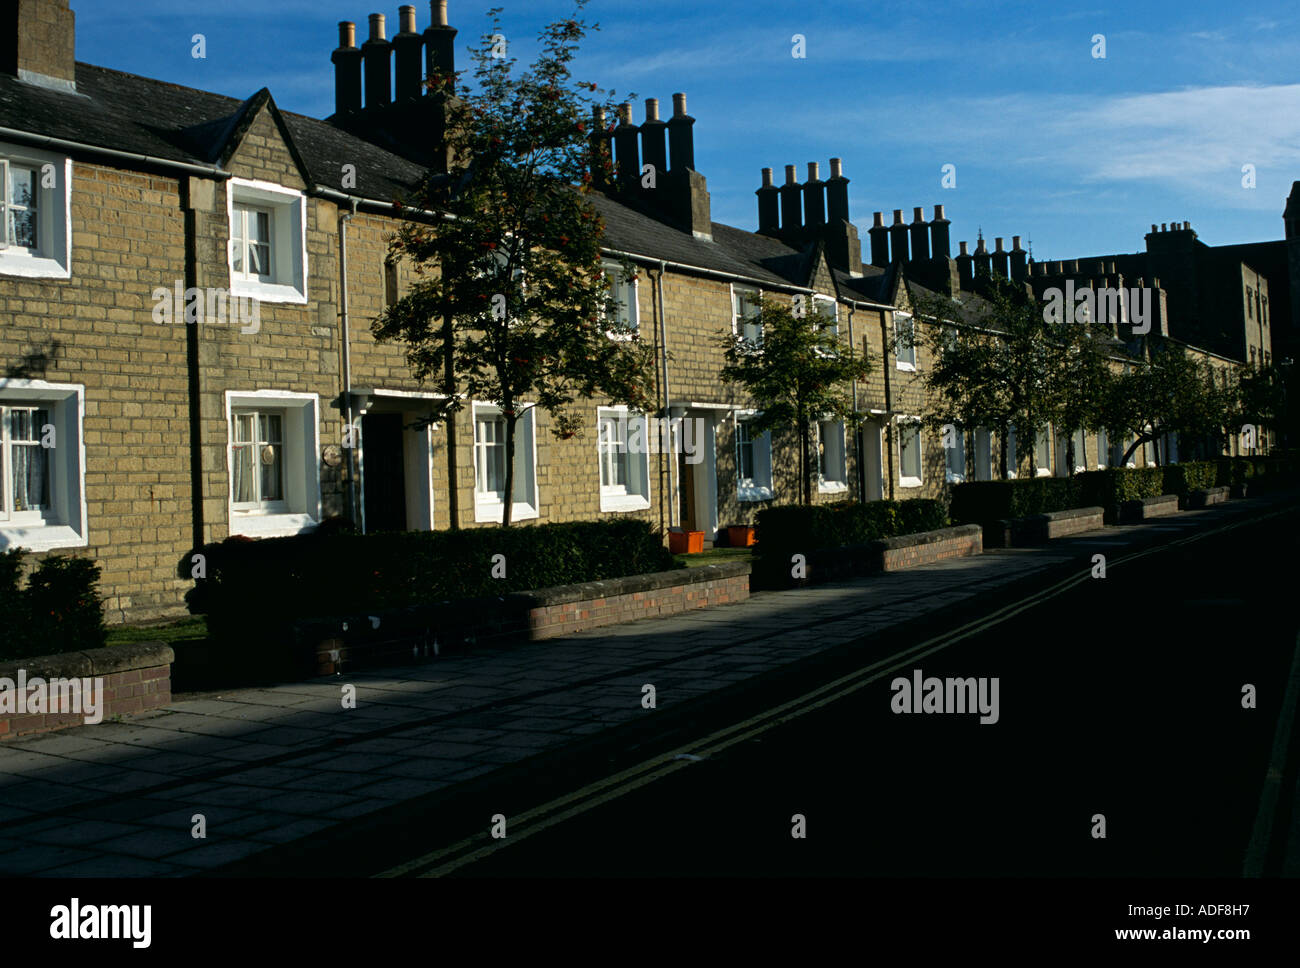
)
(446, 860)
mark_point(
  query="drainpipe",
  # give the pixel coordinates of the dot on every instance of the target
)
(857, 428)
(663, 362)
(887, 445)
(345, 341)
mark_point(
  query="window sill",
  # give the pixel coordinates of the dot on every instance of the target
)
(628, 502)
(755, 494)
(909, 482)
(33, 267)
(905, 367)
(955, 478)
(270, 525)
(40, 537)
(491, 512)
(832, 487)
(268, 292)
(1043, 472)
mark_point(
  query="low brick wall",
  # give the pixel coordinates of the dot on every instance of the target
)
(1205, 497)
(547, 613)
(1146, 508)
(1040, 528)
(136, 678)
(911, 550)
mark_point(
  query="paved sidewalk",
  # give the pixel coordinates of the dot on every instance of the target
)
(272, 765)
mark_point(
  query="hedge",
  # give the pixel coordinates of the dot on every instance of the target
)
(983, 502)
(786, 529)
(1261, 473)
(255, 590)
(1181, 479)
(58, 611)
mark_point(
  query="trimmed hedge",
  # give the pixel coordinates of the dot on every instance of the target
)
(984, 502)
(795, 528)
(1261, 473)
(1182, 479)
(255, 590)
(58, 611)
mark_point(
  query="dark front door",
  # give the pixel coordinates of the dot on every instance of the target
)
(686, 482)
(381, 436)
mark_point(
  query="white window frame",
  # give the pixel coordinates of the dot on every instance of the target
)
(904, 356)
(630, 426)
(738, 294)
(630, 309)
(821, 320)
(839, 484)
(906, 424)
(950, 475)
(259, 505)
(1103, 449)
(759, 487)
(300, 510)
(62, 524)
(52, 259)
(488, 505)
(1043, 438)
(288, 282)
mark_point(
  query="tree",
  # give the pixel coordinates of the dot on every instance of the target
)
(519, 311)
(1170, 393)
(796, 370)
(1002, 365)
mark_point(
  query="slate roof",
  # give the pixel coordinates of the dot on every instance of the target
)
(171, 123)
(139, 115)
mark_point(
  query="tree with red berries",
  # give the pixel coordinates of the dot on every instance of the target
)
(512, 305)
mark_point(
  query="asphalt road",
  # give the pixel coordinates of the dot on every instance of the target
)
(1121, 696)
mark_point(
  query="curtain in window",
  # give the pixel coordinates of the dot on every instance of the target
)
(30, 460)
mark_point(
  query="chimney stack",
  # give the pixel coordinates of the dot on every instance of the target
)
(898, 238)
(378, 53)
(406, 45)
(965, 267)
(920, 236)
(879, 241)
(1001, 259)
(769, 206)
(347, 70)
(38, 41)
(627, 151)
(439, 42)
(680, 138)
(602, 163)
(837, 194)
(1019, 261)
(654, 144)
(940, 246)
(983, 260)
(791, 206)
(814, 199)
(689, 192)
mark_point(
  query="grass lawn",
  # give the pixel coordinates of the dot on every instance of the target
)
(715, 556)
(195, 627)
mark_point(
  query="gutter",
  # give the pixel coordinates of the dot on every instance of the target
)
(212, 171)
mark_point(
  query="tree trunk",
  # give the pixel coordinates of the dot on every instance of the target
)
(508, 499)
(1069, 456)
(1002, 451)
(805, 467)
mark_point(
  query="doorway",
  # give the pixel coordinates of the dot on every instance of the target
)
(385, 472)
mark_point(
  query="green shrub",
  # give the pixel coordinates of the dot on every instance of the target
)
(1181, 479)
(979, 502)
(58, 611)
(796, 528)
(255, 590)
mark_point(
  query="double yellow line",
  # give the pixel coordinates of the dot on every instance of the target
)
(447, 860)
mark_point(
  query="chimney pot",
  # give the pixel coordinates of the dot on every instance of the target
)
(813, 171)
(1164, 227)
(898, 216)
(347, 62)
(916, 214)
(406, 46)
(938, 213)
(652, 109)
(347, 34)
(790, 175)
(439, 10)
(679, 105)
(878, 220)
(439, 42)
(837, 168)
(767, 178)
(1015, 242)
(376, 26)
(625, 113)
(378, 55)
(962, 248)
(997, 244)
(407, 15)
(1153, 227)
(598, 117)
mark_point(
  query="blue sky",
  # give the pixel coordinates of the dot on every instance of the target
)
(1080, 154)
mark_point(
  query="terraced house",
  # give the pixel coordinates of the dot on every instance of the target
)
(187, 286)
